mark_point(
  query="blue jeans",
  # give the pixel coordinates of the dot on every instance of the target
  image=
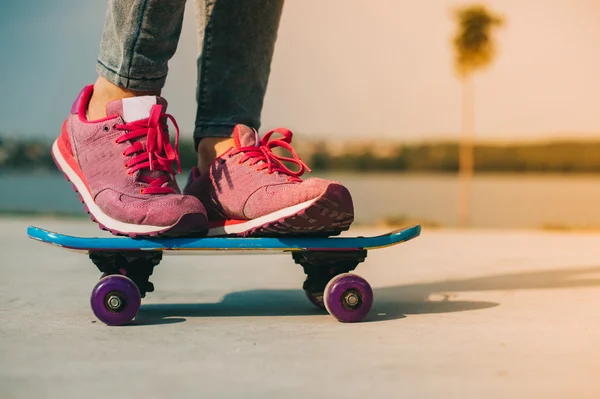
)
(237, 40)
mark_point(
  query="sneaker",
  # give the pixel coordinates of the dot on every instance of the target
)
(122, 168)
(249, 191)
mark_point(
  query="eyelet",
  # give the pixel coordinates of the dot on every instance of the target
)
(106, 128)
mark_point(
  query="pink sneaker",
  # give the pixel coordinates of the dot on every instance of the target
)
(121, 166)
(249, 191)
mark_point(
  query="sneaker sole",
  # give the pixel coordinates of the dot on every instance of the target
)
(327, 215)
(185, 225)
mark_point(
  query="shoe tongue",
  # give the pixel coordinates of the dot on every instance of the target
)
(135, 108)
(245, 136)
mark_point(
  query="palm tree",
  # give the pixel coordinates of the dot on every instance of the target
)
(474, 50)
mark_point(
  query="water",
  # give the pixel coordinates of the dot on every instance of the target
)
(521, 201)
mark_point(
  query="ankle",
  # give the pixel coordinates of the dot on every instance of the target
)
(105, 92)
(211, 147)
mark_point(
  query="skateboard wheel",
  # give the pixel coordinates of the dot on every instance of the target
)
(348, 297)
(316, 298)
(115, 300)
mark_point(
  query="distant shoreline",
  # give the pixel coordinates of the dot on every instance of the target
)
(384, 156)
(341, 173)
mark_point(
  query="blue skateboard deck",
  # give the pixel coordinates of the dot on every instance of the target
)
(219, 244)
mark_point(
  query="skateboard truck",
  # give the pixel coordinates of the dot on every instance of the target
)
(138, 266)
(322, 266)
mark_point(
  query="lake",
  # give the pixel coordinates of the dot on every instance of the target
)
(498, 201)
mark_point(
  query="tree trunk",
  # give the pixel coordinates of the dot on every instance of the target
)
(465, 174)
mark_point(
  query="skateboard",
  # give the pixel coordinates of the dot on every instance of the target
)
(126, 265)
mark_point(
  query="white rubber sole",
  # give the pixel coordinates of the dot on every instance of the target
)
(95, 211)
(260, 221)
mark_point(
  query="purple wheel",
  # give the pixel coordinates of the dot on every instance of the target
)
(348, 297)
(316, 298)
(115, 300)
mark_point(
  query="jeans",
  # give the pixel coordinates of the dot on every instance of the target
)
(236, 37)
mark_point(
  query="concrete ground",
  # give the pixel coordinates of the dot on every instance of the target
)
(457, 314)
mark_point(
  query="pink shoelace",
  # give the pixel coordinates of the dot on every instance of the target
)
(158, 153)
(271, 161)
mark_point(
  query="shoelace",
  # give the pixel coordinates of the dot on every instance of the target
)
(158, 153)
(271, 161)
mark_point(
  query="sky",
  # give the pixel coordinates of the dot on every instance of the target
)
(355, 69)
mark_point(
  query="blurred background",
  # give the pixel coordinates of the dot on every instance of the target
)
(452, 113)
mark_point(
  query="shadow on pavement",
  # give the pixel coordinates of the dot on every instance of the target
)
(390, 302)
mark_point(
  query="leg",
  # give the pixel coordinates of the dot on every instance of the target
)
(139, 38)
(248, 190)
(236, 41)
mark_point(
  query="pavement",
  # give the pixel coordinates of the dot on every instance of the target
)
(457, 314)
